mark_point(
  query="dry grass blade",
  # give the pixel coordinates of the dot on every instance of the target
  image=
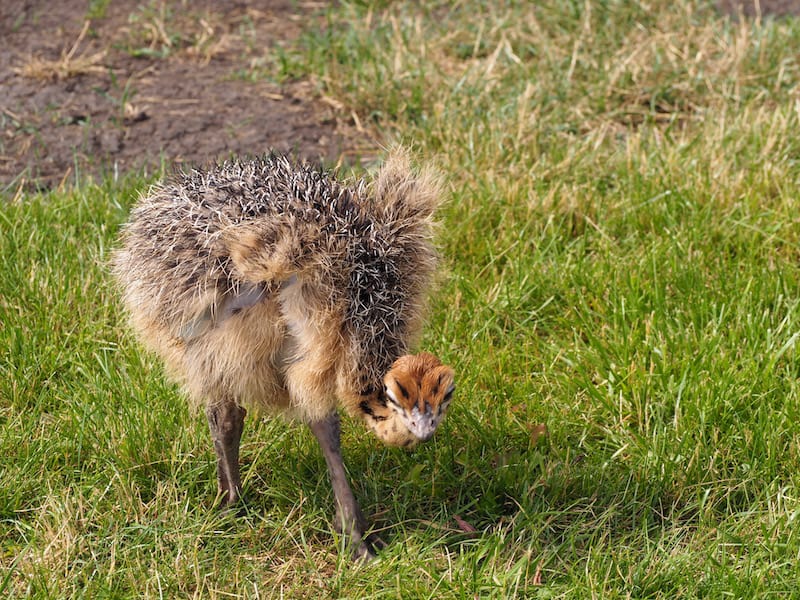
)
(67, 66)
(537, 576)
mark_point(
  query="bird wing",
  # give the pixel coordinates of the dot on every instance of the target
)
(221, 309)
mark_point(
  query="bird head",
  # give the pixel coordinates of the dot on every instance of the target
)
(417, 391)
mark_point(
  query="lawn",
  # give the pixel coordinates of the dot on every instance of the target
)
(620, 300)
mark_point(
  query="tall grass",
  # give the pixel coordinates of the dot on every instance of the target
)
(621, 303)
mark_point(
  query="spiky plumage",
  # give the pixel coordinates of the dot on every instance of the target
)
(343, 270)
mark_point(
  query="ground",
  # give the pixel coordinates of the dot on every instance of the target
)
(764, 8)
(620, 246)
(100, 87)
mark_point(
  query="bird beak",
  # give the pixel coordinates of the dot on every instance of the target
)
(422, 425)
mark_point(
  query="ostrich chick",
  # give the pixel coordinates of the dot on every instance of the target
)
(268, 283)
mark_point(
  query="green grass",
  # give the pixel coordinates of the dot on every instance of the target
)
(622, 248)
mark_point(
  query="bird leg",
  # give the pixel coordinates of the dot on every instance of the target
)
(349, 520)
(226, 422)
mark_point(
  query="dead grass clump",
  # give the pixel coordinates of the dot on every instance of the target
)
(158, 31)
(67, 66)
(681, 69)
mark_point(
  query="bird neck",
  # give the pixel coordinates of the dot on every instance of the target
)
(372, 407)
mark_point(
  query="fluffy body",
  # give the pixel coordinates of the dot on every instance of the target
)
(270, 283)
(341, 274)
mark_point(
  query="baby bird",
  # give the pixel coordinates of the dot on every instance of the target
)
(269, 283)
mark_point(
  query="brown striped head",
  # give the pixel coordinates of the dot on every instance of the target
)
(418, 389)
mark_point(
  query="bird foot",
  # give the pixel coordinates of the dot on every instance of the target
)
(367, 550)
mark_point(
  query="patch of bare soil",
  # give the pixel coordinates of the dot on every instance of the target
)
(101, 87)
(760, 8)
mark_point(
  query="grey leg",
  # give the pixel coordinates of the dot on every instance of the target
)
(226, 422)
(349, 519)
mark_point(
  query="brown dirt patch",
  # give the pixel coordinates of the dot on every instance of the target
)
(763, 8)
(146, 82)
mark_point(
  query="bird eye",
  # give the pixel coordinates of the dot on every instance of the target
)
(449, 395)
(390, 397)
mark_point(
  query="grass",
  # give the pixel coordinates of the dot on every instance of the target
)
(160, 30)
(622, 253)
